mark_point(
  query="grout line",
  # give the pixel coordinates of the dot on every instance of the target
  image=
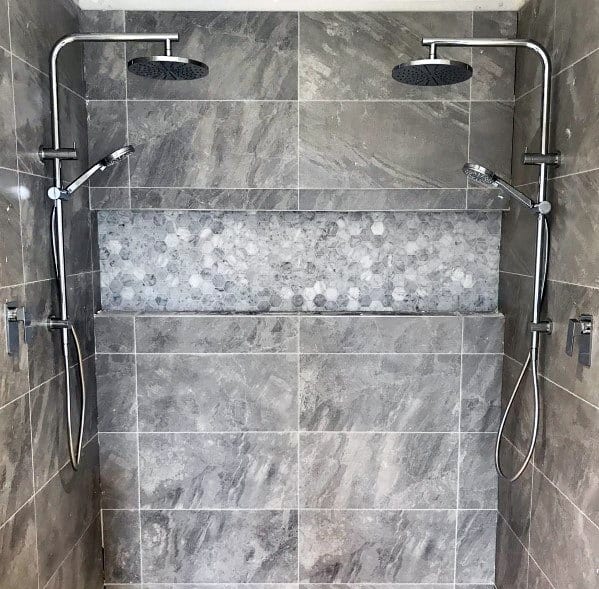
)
(306, 100)
(302, 432)
(293, 508)
(87, 528)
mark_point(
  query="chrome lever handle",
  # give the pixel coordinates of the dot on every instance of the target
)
(581, 329)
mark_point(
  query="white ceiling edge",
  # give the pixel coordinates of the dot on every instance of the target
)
(304, 5)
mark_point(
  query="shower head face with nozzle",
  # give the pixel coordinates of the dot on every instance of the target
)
(480, 174)
(432, 72)
(168, 67)
(116, 156)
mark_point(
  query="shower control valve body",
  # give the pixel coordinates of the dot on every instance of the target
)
(55, 193)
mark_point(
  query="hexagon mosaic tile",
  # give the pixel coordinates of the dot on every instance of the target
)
(406, 262)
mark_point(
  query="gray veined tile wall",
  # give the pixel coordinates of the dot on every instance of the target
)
(243, 465)
(548, 534)
(49, 516)
(212, 428)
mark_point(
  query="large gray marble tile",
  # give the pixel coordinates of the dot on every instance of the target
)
(481, 392)
(83, 568)
(518, 426)
(219, 546)
(11, 256)
(49, 428)
(4, 25)
(364, 334)
(44, 349)
(486, 199)
(208, 585)
(576, 29)
(8, 155)
(527, 135)
(251, 55)
(32, 105)
(64, 509)
(77, 232)
(81, 311)
(217, 393)
(491, 125)
(537, 578)
(36, 211)
(478, 480)
(118, 470)
(383, 144)
(111, 197)
(122, 553)
(209, 471)
(350, 55)
(568, 447)
(18, 565)
(382, 200)
(14, 370)
(483, 334)
(213, 199)
(381, 471)
(105, 64)
(36, 25)
(114, 334)
(380, 392)
(568, 557)
(511, 561)
(518, 230)
(15, 457)
(515, 302)
(535, 21)
(214, 144)
(107, 129)
(475, 555)
(574, 227)
(377, 547)
(117, 407)
(216, 334)
(566, 301)
(494, 67)
(514, 498)
(576, 104)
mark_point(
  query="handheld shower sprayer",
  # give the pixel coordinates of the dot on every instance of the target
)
(486, 177)
(111, 159)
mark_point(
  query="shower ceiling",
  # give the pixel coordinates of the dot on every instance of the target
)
(305, 5)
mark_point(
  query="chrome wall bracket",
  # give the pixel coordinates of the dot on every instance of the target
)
(13, 316)
(582, 330)
(536, 159)
(541, 327)
(62, 153)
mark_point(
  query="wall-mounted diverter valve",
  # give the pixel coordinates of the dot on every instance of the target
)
(15, 316)
(581, 330)
(161, 67)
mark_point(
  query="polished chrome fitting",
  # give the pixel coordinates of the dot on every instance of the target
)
(541, 326)
(62, 153)
(536, 159)
(56, 323)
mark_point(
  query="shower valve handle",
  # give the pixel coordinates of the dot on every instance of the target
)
(581, 328)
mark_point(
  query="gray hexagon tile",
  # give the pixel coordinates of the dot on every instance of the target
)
(405, 262)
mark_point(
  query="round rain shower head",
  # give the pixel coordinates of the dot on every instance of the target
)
(432, 72)
(116, 156)
(479, 174)
(168, 67)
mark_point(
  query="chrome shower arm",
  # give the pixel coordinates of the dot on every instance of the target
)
(515, 194)
(82, 179)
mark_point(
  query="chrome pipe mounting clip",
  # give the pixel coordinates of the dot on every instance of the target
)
(537, 159)
(541, 327)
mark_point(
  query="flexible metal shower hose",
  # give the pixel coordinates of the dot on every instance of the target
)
(75, 457)
(531, 360)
